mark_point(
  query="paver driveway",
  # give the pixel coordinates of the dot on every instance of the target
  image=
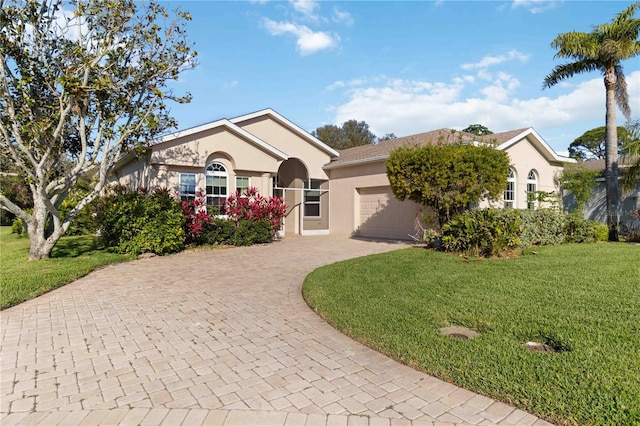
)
(213, 337)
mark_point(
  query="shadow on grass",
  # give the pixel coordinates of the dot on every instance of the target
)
(77, 246)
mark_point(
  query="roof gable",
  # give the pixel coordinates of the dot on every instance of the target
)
(289, 125)
(534, 138)
(228, 125)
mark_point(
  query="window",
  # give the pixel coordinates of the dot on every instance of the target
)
(187, 186)
(510, 192)
(216, 184)
(242, 184)
(312, 199)
(532, 187)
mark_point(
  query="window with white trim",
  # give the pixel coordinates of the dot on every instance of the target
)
(187, 186)
(532, 187)
(312, 198)
(242, 184)
(216, 184)
(510, 193)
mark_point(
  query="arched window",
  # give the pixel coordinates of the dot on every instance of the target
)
(510, 192)
(532, 187)
(216, 184)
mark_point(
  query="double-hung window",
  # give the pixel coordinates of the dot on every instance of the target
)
(312, 198)
(216, 184)
(187, 189)
(242, 184)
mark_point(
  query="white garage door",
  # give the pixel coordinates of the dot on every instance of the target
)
(383, 216)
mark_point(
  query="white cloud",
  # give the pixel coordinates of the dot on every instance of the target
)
(308, 41)
(342, 16)
(407, 107)
(488, 61)
(306, 8)
(535, 6)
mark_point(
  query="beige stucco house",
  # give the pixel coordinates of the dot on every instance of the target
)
(263, 150)
(359, 184)
(325, 191)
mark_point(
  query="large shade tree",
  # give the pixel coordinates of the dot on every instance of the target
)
(352, 133)
(81, 83)
(603, 49)
(591, 144)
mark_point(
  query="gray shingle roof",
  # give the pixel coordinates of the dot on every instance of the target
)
(381, 150)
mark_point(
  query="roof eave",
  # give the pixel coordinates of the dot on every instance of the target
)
(331, 166)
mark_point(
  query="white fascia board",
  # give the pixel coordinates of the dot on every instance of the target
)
(543, 144)
(324, 147)
(231, 127)
(330, 166)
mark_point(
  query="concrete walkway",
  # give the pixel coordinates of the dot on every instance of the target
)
(218, 337)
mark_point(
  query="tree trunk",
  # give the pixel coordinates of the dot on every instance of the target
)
(611, 156)
(40, 244)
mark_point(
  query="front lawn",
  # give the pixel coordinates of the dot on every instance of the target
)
(72, 258)
(582, 300)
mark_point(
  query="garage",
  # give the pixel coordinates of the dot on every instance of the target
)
(381, 215)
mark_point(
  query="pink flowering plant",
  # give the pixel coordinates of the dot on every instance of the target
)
(196, 217)
(255, 207)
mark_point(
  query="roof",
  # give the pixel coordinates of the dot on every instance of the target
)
(600, 164)
(381, 150)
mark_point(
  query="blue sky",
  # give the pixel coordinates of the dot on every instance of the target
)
(403, 67)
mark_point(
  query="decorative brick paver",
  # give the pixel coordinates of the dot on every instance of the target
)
(219, 337)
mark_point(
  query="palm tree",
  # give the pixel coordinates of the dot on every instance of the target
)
(603, 49)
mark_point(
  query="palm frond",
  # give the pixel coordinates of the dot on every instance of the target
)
(576, 45)
(621, 93)
(565, 71)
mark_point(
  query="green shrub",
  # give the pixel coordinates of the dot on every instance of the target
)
(542, 227)
(218, 231)
(483, 232)
(577, 229)
(602, 231)
(84, 223)
(136, 222)
(17, 227)
(250, 232)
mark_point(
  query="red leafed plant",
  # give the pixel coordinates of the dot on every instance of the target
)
(254, 206)
(196, 216)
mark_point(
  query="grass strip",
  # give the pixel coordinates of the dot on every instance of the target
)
(72, 258)
(583, 300)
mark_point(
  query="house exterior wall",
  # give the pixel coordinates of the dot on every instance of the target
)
(278, 136)
(250, 152)
(524, 157)
(200, 149)
(596, 207)
(346, 183)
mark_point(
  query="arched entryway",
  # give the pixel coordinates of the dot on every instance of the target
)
(289, 184)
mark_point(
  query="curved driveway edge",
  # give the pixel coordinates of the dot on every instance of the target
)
(218, 337)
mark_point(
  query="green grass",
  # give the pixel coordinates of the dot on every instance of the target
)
(583, 300)
(71, 258)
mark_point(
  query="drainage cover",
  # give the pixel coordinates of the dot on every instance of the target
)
(539, 347)
(458, 332)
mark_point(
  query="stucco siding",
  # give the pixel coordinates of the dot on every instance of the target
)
(198, 150)
(523, 158)
(287, 141)
(347, 184)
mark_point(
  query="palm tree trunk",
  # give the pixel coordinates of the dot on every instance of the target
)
(611, 155)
